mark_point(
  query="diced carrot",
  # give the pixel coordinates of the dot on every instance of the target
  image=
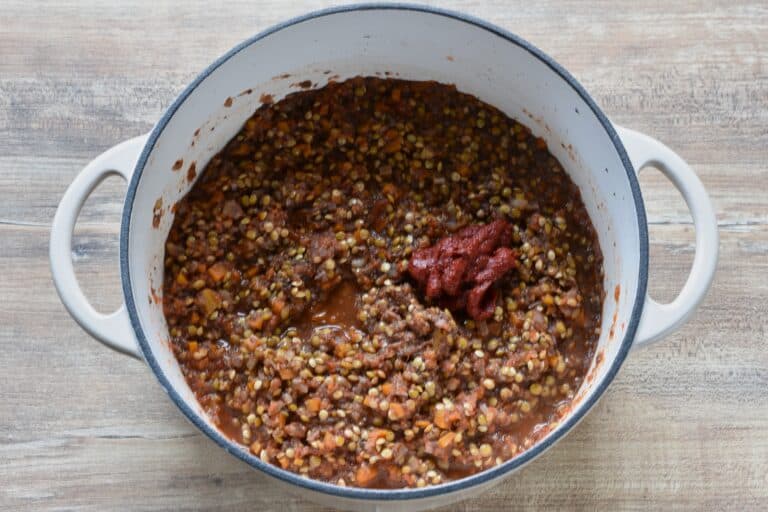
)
(440, 419)
(393, 146)
(217, 271)
(256, 322)
(277, 306)
(341, 350)
(329, 441)
(274, 408)
(386, 388)
(286, 373)
(365, 475)
(396, 411)
(446, 440)
(313, 404)
(377, 434)
(241, 150)
(371, 402)
(208, 300)
(388, 189)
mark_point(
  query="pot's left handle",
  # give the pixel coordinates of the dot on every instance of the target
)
(114, 330)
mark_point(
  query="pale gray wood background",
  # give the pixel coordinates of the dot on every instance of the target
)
(685, 424)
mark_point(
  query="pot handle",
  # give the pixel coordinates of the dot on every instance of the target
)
(659, 320)
(114, 330)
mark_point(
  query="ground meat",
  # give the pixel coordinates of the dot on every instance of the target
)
(383, 283)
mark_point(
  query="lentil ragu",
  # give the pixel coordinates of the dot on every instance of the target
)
(319, 287)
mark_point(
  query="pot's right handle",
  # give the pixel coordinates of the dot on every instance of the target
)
(113, 330)
(658, 320)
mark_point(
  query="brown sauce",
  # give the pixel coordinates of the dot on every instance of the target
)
(339, 310)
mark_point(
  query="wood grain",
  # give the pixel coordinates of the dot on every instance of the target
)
(685, 424)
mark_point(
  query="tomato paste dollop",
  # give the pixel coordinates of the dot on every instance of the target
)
(459, 271)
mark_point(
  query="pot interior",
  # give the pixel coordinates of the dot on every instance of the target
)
(409, 44)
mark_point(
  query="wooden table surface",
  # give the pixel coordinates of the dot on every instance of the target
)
(684, 425)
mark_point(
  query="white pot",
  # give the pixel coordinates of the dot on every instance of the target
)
(412, 42)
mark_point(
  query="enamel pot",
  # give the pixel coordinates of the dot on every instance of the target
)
(410, 42)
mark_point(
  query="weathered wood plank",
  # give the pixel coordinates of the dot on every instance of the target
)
(682, 427)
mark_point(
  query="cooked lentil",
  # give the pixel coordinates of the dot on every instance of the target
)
(296, 322)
